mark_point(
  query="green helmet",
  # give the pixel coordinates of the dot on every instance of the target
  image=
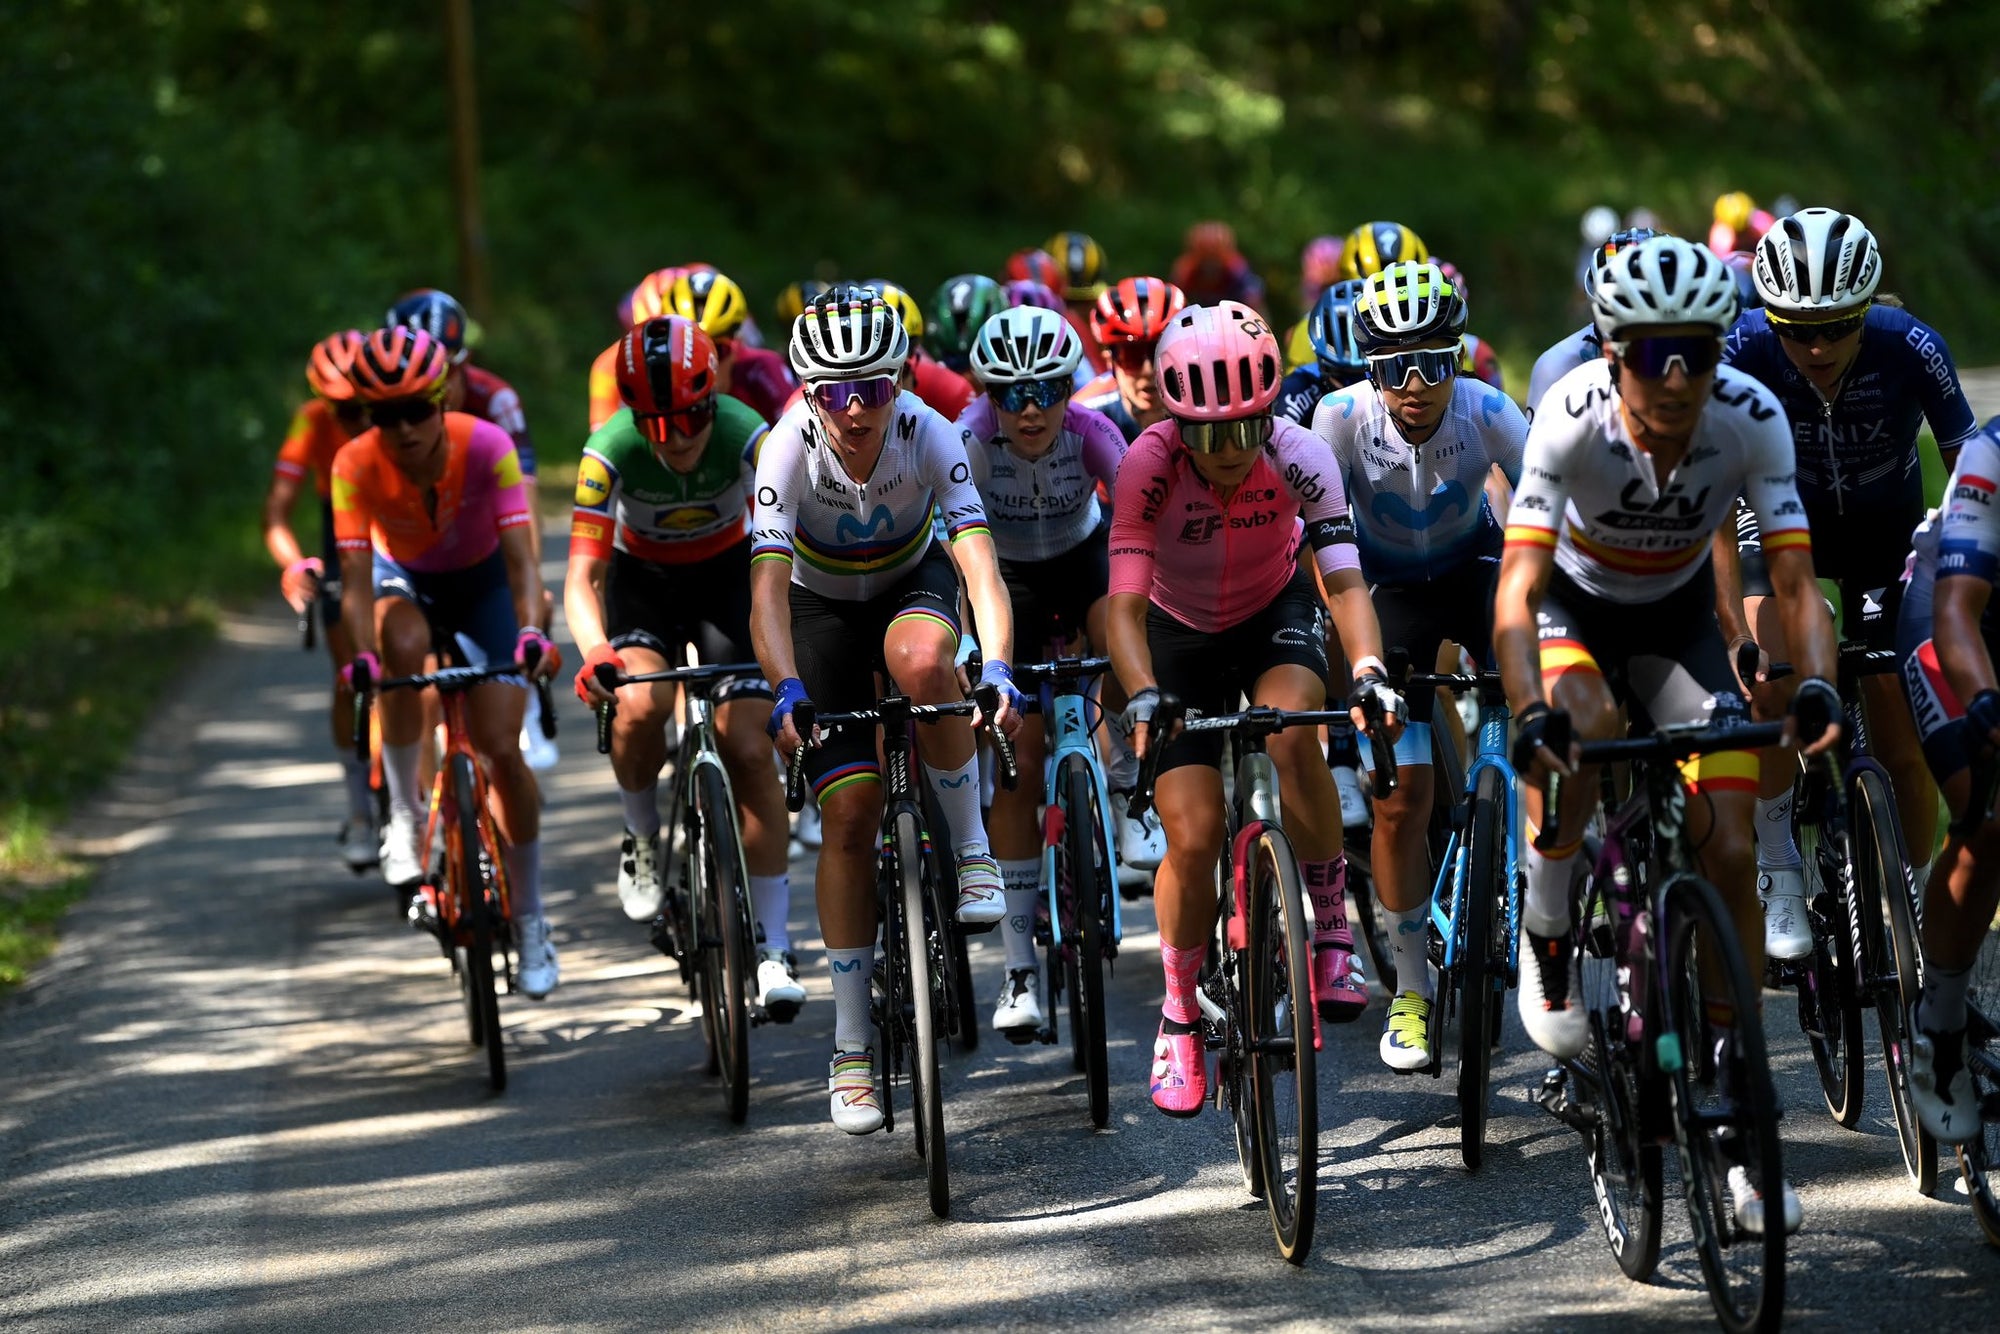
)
(960, 306)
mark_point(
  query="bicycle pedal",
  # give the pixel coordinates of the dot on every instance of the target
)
(1023, 1037)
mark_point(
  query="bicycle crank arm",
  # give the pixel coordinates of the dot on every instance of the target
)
(1210, 1010)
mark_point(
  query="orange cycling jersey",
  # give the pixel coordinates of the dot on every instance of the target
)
(314, 438)
(450, 525)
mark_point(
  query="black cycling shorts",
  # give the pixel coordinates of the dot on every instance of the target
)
(1862, 554)
(838, 645)
(1455, 606)
(1211, 672)
(666, 607)
(1053, 597)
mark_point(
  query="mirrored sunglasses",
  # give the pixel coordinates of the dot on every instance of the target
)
(1818, 331)
(1017, 396)
(835, 395)
(1237, 433)
(1652, 358)
(1434, 365)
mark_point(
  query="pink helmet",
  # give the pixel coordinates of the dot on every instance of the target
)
(1319, 263)
(1028, 292)
(1218, 362)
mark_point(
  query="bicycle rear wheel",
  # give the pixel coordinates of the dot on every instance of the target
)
(1088, 880)
(1477, 977)
(1829, 1009)
(1979, 1159)
(1279, 1026)
(1624, 1161)
(480, 903)
(1725, 1110)
(1894, 962)
(926, 997)
(722, 933)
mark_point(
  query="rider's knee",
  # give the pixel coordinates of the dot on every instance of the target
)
(1593, 714)
(924, 668)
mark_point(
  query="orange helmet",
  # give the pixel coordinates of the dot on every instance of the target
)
(1211, 240)
(399, 363)
(332, 363)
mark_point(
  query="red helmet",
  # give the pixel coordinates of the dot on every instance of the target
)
(1211, 240)
(1135, 311)
(1033, 265)
(329, 368)
(666, 374)
(399, 363)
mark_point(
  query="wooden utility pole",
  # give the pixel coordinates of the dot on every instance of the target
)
(473, 288)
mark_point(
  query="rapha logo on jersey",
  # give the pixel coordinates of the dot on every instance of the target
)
(1306, 484)
(1751, 398)
(851, 530)
(1448, 501)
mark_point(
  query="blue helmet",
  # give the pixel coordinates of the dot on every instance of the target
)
(1330, 326)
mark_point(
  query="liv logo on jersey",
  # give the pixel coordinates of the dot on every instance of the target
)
(1447, 502)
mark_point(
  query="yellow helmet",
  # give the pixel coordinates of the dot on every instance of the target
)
(1374, 246)
(1733, 210)
(1081, 261)
(1299, 348)
(710, 299)
(792, 299)
(906, 307)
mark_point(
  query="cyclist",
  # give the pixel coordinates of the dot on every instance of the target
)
(647, 301)
(1080, 262)
(1739, 224)
(1032, 264)
(1374, 246)
(845, 580)
(959, 309)
(1037, 458)
(945, 390)
(1584, 346)
(1854, 377)
(753, 375)
(1212, 269)
(431, 520)
(1605, 598)
(1209, 602)
(1947, 638)
(1128, 321)
(480, 393)
(326, 421)
(792, 298)
(1416, 446)
(1337, 358)
(1319, 268)
(660, 558)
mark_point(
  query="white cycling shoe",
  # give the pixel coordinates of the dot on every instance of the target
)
(982, 899)
(539, 751)
(1940, 1093)
(639, 890)
(536, 971)
(360, 844)
(1353, 802)
(1547, 998)
(1787, 931)
(1019, 1012)
(857, 1102)
(805, 825)
(1142, 840)
(1748, 1204)
(400, 864)
(778, 991)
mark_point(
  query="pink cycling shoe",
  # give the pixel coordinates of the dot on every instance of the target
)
(1180, 1072)
(1338, 982)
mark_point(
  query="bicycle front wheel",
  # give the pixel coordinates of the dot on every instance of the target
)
(1279, 1027)
(723, 937)
(480, 904)
(1477, 977)
(1725, 1110)
(926, 999)
(1894, 963)
(1829, 1011)
(1083, 933)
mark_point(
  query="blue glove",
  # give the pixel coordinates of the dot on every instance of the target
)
(996, 673)
(791, 694)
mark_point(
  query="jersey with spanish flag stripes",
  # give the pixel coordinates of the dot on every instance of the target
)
(1590, 494)
(851, 539)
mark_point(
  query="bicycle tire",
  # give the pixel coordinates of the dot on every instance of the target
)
(925, 993)
(1876, 841)
(475, 900)
(1743, 1271)
(1979, 1158)
(1223, 974)
(1279, 1014)
(1625, 1164)
(1084, 933)
(724, 946)
(1829, 1004)
(1477, 995)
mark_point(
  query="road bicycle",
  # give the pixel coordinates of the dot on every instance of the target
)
(1979, 1157)
(914, 994)
(1646, 930)
(1862, 910)
(1079, 870)
(706, 924)
(1256, 996)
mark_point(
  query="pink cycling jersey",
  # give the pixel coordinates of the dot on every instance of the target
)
(1211, 565)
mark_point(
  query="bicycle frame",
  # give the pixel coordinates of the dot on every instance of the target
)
(1069, 726)
(1448, 893)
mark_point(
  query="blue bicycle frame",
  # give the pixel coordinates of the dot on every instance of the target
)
(1448, 895)
(1069, 722)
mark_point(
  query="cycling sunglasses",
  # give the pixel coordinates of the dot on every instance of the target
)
(1434, 365)
(1237, 433)
(688, 423)
(835, 395)
(351, 412)
(1818, 331)
(1131, 357)
(1015, 397)
(1652, 358)
(404, 411)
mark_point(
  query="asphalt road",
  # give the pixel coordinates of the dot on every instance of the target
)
(240, 1096)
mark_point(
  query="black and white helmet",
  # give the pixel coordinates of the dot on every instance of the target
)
(1405, 304)
(848, 334)
(1816, 262)
(1663, 281)
(1025, 343)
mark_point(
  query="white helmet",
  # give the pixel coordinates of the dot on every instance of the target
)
(1025, 343)
(1663, 281)
(848, 334)
(1598, 223)
(1817, 261)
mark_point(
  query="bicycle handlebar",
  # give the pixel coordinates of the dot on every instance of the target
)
(809, 723)
(610, 678)
(1058, 669)
(447, 680)
(1380, 750)
(1677, 741)
(309, 618)
(1257, 720)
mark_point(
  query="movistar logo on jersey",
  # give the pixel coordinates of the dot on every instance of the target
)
(881, 523)
(1449, 501)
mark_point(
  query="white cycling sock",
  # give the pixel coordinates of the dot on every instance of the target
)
(1123, 768)
(1408, 939)
(1023, 882)
(1943, 1003)
(399, 771)
(771, 900)
(958, 801)
(1545, 909)
(1775, 849)
(852, 970)
(524, 877)
(642, 809)
(360, 799)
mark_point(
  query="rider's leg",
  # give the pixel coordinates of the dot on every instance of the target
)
(1017, 846)
(1892, 732)
(1780, 872)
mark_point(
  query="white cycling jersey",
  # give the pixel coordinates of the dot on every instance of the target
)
(849, 539)
(1963, 538)
(1578, 349)
(1040, 508)
(1591, 495)
(1420, 510)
